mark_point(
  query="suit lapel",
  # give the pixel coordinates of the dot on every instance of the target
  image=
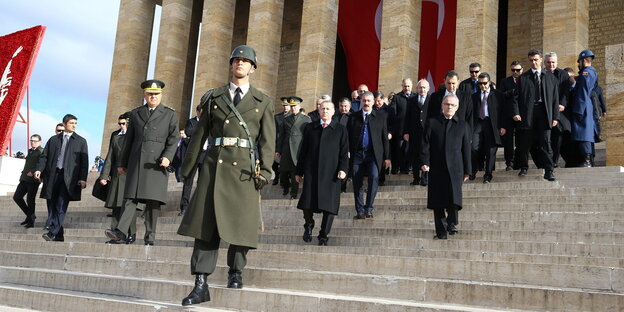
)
(248, 103)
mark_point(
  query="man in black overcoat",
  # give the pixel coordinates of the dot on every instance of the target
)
(413, 130)
(401, 105)
(488, 125)
(28, 185)
(536, 111)
(446, 156)
(63, 167)
(508, 86)
(189, 130)
(322, 165)
(559, 133)
(369, 150)
(387, 111)
(469, 85)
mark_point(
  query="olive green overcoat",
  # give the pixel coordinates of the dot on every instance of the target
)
(225, 202)
(116, 181)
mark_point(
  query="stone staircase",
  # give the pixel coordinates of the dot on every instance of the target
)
(525, 244)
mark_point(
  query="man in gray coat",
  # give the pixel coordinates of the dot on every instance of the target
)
(150, 146)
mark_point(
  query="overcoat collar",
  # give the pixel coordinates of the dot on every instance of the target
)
(248, 102)
(144, 112)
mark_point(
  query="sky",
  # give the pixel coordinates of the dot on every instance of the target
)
(72, 71)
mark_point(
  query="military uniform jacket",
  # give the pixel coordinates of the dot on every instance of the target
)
(75, 165)
(149, 138)
(31, 165)
(226, 202)
(583, 123)
(116, 181)
(290, 140)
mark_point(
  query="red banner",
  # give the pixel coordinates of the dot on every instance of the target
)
(437, 40)
(18, 52)
(359, 30)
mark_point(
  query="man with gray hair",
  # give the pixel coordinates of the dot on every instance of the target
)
(400, 105)
(413, 130)
(561, 132)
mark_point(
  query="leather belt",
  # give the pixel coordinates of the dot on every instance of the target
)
(238, 142)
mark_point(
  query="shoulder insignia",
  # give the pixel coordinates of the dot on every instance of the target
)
(585, 73)
(169, 108)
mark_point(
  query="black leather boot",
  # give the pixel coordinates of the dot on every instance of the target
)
(587, 163)
(235, 280)
(200, 292)
(307, 232)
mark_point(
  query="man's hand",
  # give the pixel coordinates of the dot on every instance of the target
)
(555, 123)
(561, 108)
(342, 175)
(298, 178)
(164, 162)
(38, 175)
(260, 182)
(466, 177)
(122, 170)
(389, 136)
(278, 155)
(29, 174)
(386, 163)
(103, 182)
(517, 118)
(424, 168)
(406, 137)
(83, 184)
(502, 131)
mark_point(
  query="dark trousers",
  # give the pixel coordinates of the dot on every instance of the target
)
(205, 254)
(364, 163)
(508, 144)
(556, 139)
(444, 217)
(288, 182)
(326, 223)
(58, 205)
(483, 143)
(275, 168)
(30, 190)
(399, 154)
(539, 137)
(413, 154)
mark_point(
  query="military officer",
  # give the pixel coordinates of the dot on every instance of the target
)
(289, 144)
(116, 182)
(279, 122)
(583, 121)
(226, 205)
(151, 142)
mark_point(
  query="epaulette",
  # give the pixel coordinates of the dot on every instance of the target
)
(167, 107)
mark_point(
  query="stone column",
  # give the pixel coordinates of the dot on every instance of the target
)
(173, 43)
(315, 73)
(264, 35)
(613, 126)
(520, 37)
(400, 43)
(130, 61)
(566, 29)
(215, 46)
(476, 36)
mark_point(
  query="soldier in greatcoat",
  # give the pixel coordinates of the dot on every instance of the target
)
(151, 142)
(116, 182)
(226, 203)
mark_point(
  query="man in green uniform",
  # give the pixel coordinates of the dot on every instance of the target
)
(289, 144)
(151, 142)
(226, 203)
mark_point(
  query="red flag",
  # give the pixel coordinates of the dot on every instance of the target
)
(359, 30)
(18, 52)
(437, 40)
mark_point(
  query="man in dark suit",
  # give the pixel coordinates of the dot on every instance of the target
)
(563, 127)
(469, 85)
(116, 182)
(322, 166)
(369, 150)
(189, 130)
(344, 111)
(382, 108)
(536, 111)
(488, 125)
(464, 112)
(28, 185)
(401, 104)
(446, 156)
(314, 115)
(508, 87)
(279, 123)
(413, 130)
(144, 159)
(63, 167)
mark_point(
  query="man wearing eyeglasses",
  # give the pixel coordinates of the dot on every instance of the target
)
(116, 182)
(470, 84)
(63, 168)
(508, 87)
(28, 185)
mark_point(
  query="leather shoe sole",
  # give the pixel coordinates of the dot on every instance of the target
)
(440, 237)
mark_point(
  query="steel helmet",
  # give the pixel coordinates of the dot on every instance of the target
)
(246, 52)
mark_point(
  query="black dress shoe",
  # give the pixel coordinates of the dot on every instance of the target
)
(487, 178)
(115, 234)
(508, 168)
(275, 182)
(323, 241)
(452, 230)
(293, 197)
(359, 216)
(112, 242)
(149, 243)
(369, 215)
(549, 176)
(523, 172)
(199, 293)
(235, 280)
(440, 237)
(131, 239)
(109, 215)
(472, 176)
(307, 233)
(48, 236)
(59, 238)
(25, 221)
(285, 192)
(29, 225)
(415, 182)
